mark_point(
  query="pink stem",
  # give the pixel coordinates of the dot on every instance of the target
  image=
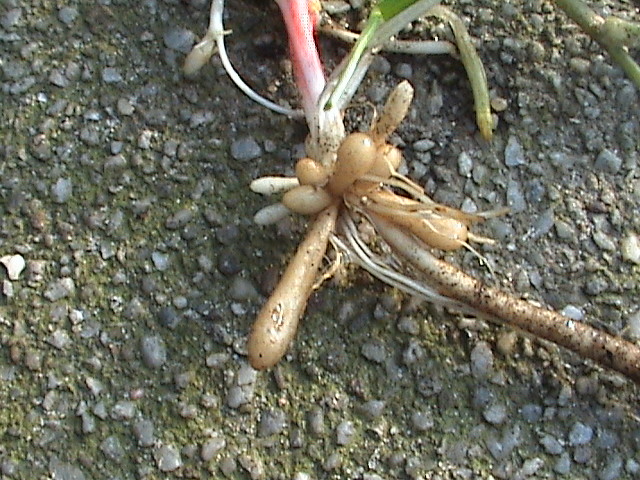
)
(307, 67)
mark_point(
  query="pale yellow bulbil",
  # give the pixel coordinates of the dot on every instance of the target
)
(307, 199)
(356, 156)
(310, 172)
(388, 159)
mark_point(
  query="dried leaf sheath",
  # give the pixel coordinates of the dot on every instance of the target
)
(608, 350)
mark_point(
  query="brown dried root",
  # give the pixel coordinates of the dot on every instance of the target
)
(608, 350)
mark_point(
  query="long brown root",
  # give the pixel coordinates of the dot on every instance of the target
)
(608, 350)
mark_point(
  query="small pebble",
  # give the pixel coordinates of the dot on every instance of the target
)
(612, 469)
(404, 70)
(608, 161)
(111, 75)
(168, 458)
(563, 465)
(179, 39)
(58, 470)
(160, 260)
(373, 408)
(143, 430)
(112, 448)
(481, 360)
(242, 289)
(123, 410)
(315, 420)
(580, 434)
(530, 467)
(11, 18)
(345, 432)
(62, 190)
(374, 351)
(272, 422)
(65, 287)
(543, 224)
(168, 317)
(515, 197)
(495, 413)
(154, 351)
(423, 420)
(14, 264)
(633, 326)
(423, 145)
(212, 447)
(465, 164)
(514, 153)
(67, 15)
(630, 248)
(551, 445)
(573, 312)
(245, 149)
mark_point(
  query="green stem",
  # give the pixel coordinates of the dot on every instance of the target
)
(614, 34)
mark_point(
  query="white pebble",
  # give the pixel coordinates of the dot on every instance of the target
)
(633, 326)
(630, 247)
(14, 264)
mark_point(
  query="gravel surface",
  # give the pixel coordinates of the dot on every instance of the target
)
(131, 270)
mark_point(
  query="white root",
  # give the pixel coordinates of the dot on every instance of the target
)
(273, 185)
(278, 319)
(202, 52)
(271, 214)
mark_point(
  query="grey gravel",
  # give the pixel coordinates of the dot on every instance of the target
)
(154, 351)
(481, 360)
(112, 448)
(62, 190)
(212, 447)
(112, 155)
(608, 161)
(580, 434)
(168, 458)
(403, 70)
(551, 445)
(179, 39)
(496, 413)
(144, 432)
(633, 325)
(245, 149)
(161, 260)
(345, 432)
(65, 287)
(272, 422)
(67, 15)
(374, 351)
(515, 197)
(465, 164)
(422, 420)
(111, 75)
(514, 153)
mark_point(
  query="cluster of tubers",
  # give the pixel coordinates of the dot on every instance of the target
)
(361, 178)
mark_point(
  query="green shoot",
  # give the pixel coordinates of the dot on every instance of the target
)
(384, 11)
